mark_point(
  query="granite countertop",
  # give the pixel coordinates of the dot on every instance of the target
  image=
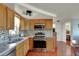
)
(5, 48)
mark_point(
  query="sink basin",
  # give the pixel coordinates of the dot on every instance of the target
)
(15, 41)
(12, 45)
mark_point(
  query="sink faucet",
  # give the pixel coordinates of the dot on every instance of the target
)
(9, 38)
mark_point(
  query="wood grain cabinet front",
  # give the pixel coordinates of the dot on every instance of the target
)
(49, 24)
(2, 16)
(50, 44)
(30, 43)
(22, 23)
(20, 49)
(27, 24)
(26, 46)
(23, 48)
(10, 19)
(6, 17)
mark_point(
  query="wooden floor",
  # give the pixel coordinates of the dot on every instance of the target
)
(63, 49)
(41, 52)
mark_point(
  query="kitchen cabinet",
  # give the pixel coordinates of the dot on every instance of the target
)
(48, 23)
(36, 21)
(43, 21)
(10, 19)
(32, 23)
(2, 16)
(20, 49)
(22, 23)
(26, 46)
(6, 17)
(50, 44)
(30, 43)
(23, 48)
(27, 24)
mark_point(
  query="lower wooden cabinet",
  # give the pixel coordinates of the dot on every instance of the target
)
(26, 46)
(30, 43)
(20, 49)
(23, 48)
(50, 44)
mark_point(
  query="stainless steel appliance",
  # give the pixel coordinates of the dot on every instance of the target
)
(39, 38)
(39, 34)
(39, 26)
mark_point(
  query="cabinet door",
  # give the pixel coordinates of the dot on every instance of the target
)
(42, 21)
(27, 43)
(27, 24)
(25, 47)
(30, 43)
(10, 19)
(50, 44)
(22, 23)
(33, 22)
(49, 23)
(2, 17)
(20, 49)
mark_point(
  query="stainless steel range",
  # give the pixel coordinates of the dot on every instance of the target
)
(39, 38)
(39, 32)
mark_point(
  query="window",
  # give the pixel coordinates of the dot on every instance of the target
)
(16, 26)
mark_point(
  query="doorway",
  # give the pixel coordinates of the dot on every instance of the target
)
(68, 33)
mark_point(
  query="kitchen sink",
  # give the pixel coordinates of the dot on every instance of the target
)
(15, 41)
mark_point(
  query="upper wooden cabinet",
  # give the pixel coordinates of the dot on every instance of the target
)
(48, 23)
(10, 19)
(22, 23)
(6, 17)
(27, 24)
(2, 16)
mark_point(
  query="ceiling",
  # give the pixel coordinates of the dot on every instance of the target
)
(63, 11)
(36, 12)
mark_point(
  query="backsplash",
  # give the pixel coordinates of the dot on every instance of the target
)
(48, 33)
(4, 36)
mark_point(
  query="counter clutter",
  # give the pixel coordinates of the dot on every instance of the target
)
(5, 48)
